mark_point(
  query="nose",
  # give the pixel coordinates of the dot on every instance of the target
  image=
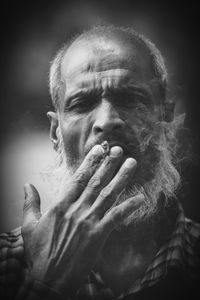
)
(107, 119)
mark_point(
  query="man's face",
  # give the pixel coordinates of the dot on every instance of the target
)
(107, 95)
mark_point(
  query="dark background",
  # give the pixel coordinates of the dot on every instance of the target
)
(32, 32)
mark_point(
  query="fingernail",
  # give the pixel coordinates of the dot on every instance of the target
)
(130, 163)
(116, 151)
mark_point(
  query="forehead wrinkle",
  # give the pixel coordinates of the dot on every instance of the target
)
(109, 89)
(97, 81)
(96, 54)
(102, 80)
(103, 65)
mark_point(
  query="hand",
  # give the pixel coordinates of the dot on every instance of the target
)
(62, 245)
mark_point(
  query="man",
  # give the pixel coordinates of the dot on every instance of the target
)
(116, 229)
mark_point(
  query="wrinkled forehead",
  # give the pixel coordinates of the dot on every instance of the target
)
(93, 55)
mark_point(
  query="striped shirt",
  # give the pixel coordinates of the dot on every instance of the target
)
(181, 252)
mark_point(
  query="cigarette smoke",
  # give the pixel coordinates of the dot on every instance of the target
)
(156, 174)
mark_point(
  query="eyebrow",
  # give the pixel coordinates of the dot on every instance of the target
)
(131, 89)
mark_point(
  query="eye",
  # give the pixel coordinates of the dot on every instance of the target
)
(81, 104)
(130, 101)
(140, 102)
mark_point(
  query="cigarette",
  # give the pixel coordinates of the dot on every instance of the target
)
(105, 147)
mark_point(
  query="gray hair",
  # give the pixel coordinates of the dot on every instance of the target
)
(157, 61)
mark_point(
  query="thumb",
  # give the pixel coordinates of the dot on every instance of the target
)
(31, 210)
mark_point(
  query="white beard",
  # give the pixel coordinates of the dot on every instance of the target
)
(165, 177)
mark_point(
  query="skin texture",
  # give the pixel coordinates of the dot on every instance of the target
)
(62, 245)
(106, 95)
(103, 77)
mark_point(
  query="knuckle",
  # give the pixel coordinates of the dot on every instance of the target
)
(94, 159)
(80, 179)
(87, 220)
(57, 211)
(84, 224)
(70, 219)
(110, 161)
(94, 182)
(27, 204)
(107, 192)
(116, 214)
(124, 174)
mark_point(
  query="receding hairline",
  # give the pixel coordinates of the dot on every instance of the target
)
(107, 32)
(94, 36)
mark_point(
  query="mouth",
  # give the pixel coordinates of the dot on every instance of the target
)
(129, 150)
(126, 150)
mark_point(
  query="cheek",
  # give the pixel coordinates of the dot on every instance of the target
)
(74, 133)
(141, 122)
(142, 130)
(71, 137)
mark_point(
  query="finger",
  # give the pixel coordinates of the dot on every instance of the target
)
(119, 213)
(102, 176)
(109, 194)
(72, 191)
(31, 210)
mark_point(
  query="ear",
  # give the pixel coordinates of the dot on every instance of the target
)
(168, 111)
(53, 117)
